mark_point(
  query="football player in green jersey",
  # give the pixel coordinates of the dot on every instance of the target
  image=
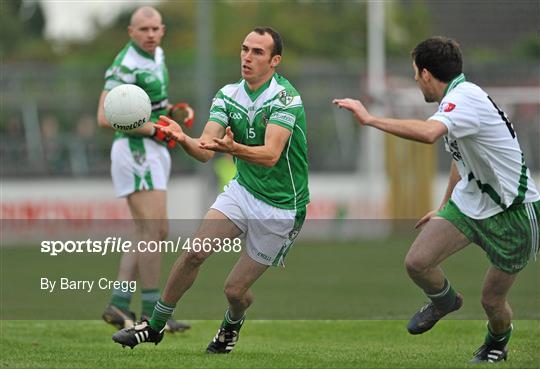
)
(141, 163)
(261, 122)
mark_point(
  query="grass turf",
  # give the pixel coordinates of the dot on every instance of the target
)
(263, 344)
(352, 299)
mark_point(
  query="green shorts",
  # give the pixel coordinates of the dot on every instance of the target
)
(509, 238)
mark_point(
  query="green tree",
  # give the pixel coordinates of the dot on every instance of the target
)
(21, 26)
(311, 29)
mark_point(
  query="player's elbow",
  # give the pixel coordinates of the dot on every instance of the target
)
(430, 137)
(271, 161)
(205, 157)
(102, 121)
(433, 132)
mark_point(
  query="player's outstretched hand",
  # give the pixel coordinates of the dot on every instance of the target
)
(426, 218)
(225, 144)
(172, 130)
(160, 136)
(356, 107)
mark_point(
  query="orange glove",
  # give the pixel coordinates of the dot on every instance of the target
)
(182, 112)
(160, 136)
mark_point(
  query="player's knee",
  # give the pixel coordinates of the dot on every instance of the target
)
(415, 264)
(159, 231)
(163, 231)
(151, 229)
(195, 258)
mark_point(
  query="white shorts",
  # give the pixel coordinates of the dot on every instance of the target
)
(269, 231)
(139, 164)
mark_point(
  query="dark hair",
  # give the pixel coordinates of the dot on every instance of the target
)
(441, 56)
(278, 43)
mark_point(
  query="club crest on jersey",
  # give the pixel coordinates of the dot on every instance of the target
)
(149, 79)
(448, 107)
(139, 157)
(284, 98)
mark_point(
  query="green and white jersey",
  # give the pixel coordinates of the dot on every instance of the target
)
(484, 145)
(135, 66)
(285, 185)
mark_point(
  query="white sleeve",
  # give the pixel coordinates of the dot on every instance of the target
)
(458, 115)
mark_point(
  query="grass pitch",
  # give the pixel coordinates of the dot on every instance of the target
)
(263, 344)
(333, 306)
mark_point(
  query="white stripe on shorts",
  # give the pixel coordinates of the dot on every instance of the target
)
(534, 228)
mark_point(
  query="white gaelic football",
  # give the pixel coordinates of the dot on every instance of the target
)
(127, 107)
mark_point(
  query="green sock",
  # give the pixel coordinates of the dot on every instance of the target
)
(232, 325)
(446, 298)
(498, 341)
(149, 298)
(121, 299)
(162, 313)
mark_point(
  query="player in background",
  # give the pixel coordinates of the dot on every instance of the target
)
(490, 200)
(140, 163)
(261, 122)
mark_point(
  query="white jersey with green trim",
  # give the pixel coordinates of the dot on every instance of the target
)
(484, 146)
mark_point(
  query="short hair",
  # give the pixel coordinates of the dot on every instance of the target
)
(441, 56)
(278, 43)
(145, 12)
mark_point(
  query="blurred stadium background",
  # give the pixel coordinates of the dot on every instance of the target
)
(55, 160)
(55, 165)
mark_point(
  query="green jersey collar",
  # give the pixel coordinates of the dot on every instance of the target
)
(253, 95)
(453, 83)
(140, 51)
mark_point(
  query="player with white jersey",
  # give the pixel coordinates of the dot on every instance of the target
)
(261, 122)
(140, 163)
(491, 199)
(483, 144)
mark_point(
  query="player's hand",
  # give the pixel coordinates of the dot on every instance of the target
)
(170, 129)
(225, 144)
(357, 108)
(426, 218)
(160, 136)
(182, 112)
